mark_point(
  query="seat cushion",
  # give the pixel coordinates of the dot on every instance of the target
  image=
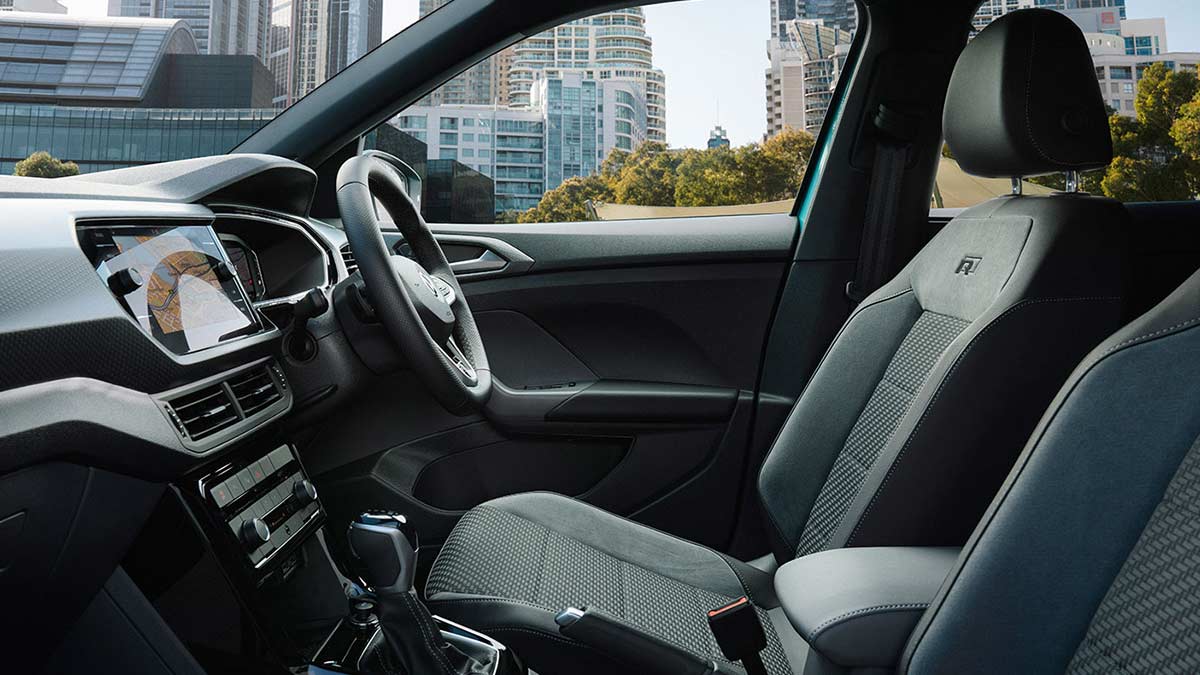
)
(513, 563)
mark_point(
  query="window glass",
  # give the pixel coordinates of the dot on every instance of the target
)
(1145, 55)
(625, 114)
(209, 78)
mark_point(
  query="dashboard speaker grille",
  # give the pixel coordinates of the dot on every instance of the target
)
(254, 390)
(348, 259)
(205, 412)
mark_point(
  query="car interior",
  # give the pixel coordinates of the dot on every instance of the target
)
(859, 437)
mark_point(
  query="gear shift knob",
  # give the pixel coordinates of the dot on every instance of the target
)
(386, 545)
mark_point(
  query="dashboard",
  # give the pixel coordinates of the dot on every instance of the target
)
(144, 318)
(129, 296)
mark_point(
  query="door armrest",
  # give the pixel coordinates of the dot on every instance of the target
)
(857, 606)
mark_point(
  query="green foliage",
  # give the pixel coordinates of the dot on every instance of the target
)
(1156, 155)
(569, 202)
(1160, 95)
(647, 176)
(1185, 131)
(42, 164)
(653, 175)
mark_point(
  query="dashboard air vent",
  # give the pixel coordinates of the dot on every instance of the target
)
(348, 259)
(205, 412)
(254, 390)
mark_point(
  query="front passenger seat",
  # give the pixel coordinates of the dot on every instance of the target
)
(910, 422)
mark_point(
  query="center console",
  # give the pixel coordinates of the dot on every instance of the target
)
(267, 504)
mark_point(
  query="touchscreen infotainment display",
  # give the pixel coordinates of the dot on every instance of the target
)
(181, 287)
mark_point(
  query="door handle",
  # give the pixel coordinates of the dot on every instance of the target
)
(488, 261)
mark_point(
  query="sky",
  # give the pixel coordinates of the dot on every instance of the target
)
(714, 54)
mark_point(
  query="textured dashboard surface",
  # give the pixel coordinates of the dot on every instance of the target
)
(58, 319)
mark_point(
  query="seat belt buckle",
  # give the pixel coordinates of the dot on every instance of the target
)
(737, 629)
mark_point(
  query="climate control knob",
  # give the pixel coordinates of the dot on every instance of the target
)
(304, 492)
(255, 533)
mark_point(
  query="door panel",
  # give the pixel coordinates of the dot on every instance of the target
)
(626, 357)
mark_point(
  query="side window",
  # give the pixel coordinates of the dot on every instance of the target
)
(626, 114)
(1153, 96)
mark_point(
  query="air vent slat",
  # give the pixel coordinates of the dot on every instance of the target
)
(348, 259)
(255, 391)
(205, 412)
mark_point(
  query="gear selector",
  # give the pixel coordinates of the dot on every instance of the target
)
(385, 546)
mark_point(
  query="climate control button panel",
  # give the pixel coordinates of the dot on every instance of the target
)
(266, 503)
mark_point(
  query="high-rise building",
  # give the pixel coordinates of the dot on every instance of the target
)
(508, 145)
(841, 14)
(40, 6)
(586, 119)
(477, 85)
(355, 28)
(717, 138)
(608, 46)
(782, 11)
(1112, 14)
(309, 45)
(1121, 60)
(220, 26)
(279, 51)
(804, 69)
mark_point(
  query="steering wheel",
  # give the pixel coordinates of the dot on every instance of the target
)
(419, 303)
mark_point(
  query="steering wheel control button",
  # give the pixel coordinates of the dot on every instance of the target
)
(255, 533)
(123, 282)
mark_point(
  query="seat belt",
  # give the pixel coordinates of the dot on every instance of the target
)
(896, 131)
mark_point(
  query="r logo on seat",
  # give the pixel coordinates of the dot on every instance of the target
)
(968, 265)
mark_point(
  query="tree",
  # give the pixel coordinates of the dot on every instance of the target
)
(787, 154)
(647, 177)
(653, 175)
(1156, 154)
(1160, 95)
(1185, 131)
(709, 178)
(42, 164)
(569, 202)
(1142, 180)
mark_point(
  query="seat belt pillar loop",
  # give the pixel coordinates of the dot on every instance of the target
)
(895, 131)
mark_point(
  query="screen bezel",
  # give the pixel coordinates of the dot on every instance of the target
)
(151, 225)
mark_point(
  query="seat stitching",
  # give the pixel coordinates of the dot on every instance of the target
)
(877, 609)
(941, 386)
(1126, 343)
(853, 315)
(494, 598)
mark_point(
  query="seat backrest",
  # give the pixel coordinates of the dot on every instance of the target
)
(1088, 561)
(926, 396)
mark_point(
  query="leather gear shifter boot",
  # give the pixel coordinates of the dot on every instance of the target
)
(415, 639)
(387, 548)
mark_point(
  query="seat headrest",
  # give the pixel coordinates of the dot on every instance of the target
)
(1024, 100)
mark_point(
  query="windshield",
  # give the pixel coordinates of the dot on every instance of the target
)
(91, 85)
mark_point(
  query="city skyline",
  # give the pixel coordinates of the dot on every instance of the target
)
(734, 34)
